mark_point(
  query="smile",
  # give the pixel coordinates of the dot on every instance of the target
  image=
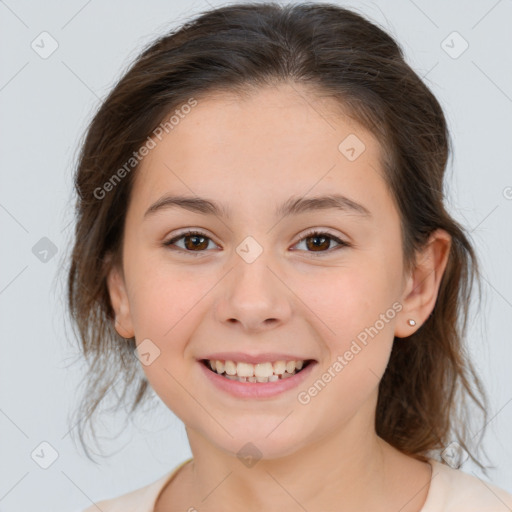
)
(256, 373)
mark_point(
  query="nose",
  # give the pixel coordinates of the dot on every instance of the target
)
(254, 298)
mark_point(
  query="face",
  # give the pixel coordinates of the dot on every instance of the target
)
(259, 281)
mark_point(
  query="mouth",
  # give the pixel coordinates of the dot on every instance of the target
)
(263, 372)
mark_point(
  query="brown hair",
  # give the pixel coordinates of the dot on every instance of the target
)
(335, 52)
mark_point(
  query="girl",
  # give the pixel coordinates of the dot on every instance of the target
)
(261, 222)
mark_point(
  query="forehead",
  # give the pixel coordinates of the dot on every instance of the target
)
(277, 142)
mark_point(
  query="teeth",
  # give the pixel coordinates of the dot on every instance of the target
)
(260, 372)
(264, 369)
(279, 367)
(244, 370)
(230, 367)
(290, 366)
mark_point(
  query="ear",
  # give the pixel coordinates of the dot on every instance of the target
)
(422, 285)
(119, 300)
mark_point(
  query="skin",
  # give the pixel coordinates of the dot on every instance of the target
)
(251, 155)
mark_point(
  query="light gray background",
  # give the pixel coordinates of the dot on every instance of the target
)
(45, 107)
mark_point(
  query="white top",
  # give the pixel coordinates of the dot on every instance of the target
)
(451, 490)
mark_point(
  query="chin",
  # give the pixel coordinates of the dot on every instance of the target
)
(262, 442)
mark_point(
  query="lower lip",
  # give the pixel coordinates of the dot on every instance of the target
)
(257, 389)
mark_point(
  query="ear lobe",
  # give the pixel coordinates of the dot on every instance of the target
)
(119, 300)
(422, 288)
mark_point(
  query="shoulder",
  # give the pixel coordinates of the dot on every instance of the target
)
(453, 490)
(139, 500)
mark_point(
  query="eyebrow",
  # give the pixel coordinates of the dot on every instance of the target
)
(292, 206)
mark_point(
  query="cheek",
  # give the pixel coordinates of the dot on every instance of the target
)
(346, 301)
(164, 311)
(167, 304)
(158, 309)
(357, 309)
(161, 294)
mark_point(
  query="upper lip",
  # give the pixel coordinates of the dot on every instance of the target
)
(254, 358)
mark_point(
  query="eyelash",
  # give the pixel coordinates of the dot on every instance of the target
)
(310, 234)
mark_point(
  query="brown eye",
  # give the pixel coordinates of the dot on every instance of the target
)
(193, 241)
(320, 242)
(197, 242)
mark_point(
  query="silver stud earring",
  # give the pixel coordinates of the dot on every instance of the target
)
(411, 322)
